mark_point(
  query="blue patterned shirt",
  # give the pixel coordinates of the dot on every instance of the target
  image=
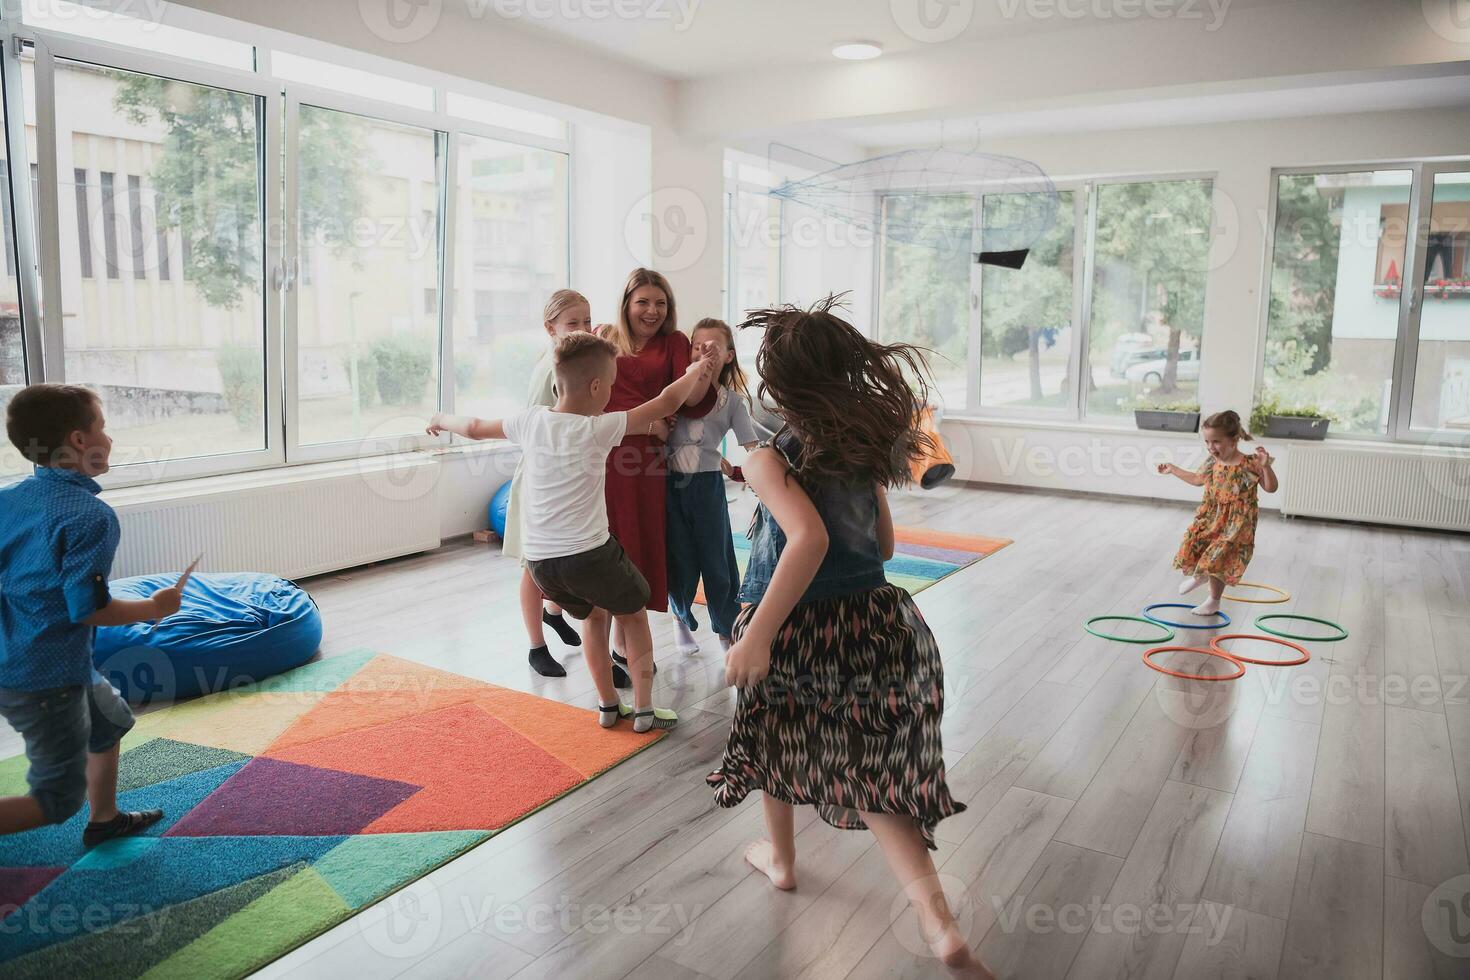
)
(57, 539)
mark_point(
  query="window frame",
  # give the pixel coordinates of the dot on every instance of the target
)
(734, 187)
(36, 210)
(47, 48)
(1084, 268)
(1404, 372)
(313, 98)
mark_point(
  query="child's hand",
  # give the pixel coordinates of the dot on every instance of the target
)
(1263, 458)
(167, 601)
(747, 662)
(1165, 467)
(436, 424)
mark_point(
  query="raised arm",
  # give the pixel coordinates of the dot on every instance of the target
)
(806, 545)
(467, 426)
(667, 402)
(1261, 463)
(1188, 476)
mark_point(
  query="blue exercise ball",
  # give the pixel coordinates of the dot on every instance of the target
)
(498, 504)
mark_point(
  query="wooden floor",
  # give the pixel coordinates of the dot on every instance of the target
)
(1119, 823)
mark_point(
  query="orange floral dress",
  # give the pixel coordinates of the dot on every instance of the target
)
(1222, 538)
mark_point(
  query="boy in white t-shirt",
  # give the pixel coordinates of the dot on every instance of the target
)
(572, 556)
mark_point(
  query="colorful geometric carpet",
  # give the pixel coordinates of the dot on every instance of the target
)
(920, 557)
(290, 805)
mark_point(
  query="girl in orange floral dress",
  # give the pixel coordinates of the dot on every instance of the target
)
(1218, 545)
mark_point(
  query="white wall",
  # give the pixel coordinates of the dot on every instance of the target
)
(1240, 156)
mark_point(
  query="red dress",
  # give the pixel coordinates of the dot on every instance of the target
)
(637, 474)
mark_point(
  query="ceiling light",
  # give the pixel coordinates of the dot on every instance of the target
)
(857, 50)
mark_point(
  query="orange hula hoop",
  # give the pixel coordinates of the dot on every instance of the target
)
(1239, 672)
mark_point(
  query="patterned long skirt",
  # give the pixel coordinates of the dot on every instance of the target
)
(848, 718)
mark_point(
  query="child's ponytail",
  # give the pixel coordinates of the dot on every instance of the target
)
(1229, 423)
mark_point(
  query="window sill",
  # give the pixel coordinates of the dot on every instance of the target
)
(274, 476)
(1349, 443)
(1064, 425)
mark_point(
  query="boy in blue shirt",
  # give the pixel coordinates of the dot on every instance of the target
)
(57, 540)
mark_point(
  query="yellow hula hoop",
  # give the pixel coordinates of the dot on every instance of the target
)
(1281, 594)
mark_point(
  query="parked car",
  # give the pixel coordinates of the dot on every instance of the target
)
(1124, 360)
(1127, 348)
(1151, 372)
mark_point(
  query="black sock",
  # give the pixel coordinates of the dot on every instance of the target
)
(621, 680)
(564, 631)
(543, 663)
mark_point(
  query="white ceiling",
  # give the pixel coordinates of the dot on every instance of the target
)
(697, 38)
(1374, 96)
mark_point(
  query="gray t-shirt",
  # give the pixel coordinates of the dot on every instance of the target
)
(694, 445)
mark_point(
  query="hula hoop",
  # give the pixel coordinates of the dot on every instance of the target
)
(1168, 633)
(1281, 594)
(1342, 634)
(1239, 667)
(1216, 641)
(1224, 618)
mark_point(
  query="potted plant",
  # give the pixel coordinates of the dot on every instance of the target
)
(1171, 417)
(1276, 420)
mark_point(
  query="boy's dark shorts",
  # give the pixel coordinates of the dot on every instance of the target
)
(60, 727)
(603, 578)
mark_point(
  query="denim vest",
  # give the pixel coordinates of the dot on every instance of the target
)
(850, 513)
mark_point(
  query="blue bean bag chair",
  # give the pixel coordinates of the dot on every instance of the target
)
(232, 629)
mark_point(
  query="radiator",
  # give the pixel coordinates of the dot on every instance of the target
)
(289, 523)
(1419, 488)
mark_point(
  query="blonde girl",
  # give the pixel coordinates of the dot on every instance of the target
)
(1219, 543)
(699, 542)
(567, 312)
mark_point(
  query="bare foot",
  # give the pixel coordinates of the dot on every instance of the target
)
(958, 958)
(762, 857)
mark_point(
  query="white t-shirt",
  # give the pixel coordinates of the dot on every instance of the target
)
(564, 466)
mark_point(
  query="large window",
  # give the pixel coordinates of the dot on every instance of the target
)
(1368, 318)
(1138, 345)
(925, 288)
(248, 252)
(1337, 272)
(511, 254)
(1027, 333)
(1150, 260)
(1442, 379)
(367, 353)
(12, 340)
(179, 361)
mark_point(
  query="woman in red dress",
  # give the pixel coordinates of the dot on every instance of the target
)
(652, 353)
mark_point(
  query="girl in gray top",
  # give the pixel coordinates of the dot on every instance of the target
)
(699, 542)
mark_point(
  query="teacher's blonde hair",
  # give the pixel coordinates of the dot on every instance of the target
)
(621, 332)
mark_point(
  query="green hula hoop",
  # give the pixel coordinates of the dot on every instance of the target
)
(1342, 634)
(1168, 633)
